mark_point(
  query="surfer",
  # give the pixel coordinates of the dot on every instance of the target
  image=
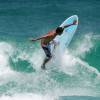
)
(48, 39)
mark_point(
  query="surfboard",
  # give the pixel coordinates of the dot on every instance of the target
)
(68, 33)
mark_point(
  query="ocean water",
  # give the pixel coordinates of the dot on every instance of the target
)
(74, 76)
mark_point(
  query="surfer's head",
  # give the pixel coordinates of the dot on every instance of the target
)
(59, 30)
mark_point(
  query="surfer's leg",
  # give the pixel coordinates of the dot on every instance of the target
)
(46, 60)
(48, 55)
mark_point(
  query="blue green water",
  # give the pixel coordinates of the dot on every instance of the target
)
(77, 73)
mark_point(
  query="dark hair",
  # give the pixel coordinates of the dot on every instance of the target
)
(59, 30)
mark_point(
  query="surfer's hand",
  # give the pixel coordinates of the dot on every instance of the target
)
(75, 22)
(56, 44)
(31, 39)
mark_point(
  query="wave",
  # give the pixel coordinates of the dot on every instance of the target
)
(20, 70)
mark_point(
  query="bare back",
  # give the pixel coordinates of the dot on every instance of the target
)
(51, 35)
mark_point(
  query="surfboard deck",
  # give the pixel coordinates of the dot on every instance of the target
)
(68, 33)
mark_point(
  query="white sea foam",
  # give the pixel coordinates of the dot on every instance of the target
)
(84, 45)
(6, 51)
(69, 61)
(27, 97)
(37, 58)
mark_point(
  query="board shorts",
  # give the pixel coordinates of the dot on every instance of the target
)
(47, 50)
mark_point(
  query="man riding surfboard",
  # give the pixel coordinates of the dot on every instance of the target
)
(47, 39)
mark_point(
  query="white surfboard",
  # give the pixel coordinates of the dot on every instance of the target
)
(68, 33)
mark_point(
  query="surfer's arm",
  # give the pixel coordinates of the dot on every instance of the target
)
(35, 39)
(74, 23)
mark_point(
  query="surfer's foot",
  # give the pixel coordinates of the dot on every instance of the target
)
(43, 67)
